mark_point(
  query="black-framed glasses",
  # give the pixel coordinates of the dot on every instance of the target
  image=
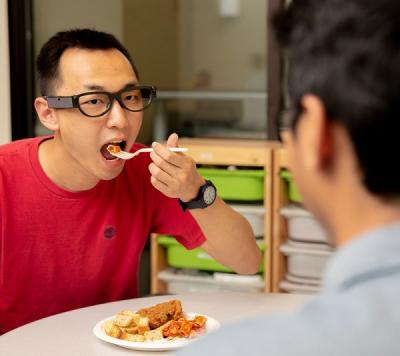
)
(97, 103)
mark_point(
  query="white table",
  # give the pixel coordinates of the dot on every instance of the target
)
(70, 333)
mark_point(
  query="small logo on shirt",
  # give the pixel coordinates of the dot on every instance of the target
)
(109, 232)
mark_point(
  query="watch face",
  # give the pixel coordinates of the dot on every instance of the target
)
(209, 195)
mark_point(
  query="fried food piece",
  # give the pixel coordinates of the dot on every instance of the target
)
(184, 327)
(153, 335)
(111, 329)
(134, 315)
(200, 321)
(132, 337)
(123, 320)
(161, 313)
(127, 312)
(143, 325)
(172, 330)
(130, 330)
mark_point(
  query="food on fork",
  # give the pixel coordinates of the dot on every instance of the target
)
(117, 151)
(113, 149)
(164, 321)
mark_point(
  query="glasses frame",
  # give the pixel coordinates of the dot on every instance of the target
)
(72, 102)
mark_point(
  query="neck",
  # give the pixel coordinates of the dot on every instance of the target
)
(361, 214)
(62, 169)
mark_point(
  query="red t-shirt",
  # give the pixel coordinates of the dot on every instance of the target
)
(61, 250)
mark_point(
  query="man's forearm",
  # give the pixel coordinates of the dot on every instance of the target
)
(230, 239)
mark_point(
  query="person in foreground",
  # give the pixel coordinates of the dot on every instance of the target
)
(344, 83)
(73, 219)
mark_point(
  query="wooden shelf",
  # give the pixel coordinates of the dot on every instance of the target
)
(226, 152)
(230, 152)
(279, 225)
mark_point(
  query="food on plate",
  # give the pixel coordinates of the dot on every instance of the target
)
(183, 327)
(143, 325)
(159, 314)
(111, 329)
(113, 148)
(132, 337)
(162, 321)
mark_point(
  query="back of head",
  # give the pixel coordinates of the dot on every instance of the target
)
(347, 52)
(51, 52)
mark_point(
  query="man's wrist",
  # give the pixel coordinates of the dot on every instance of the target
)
(205, 197)
(196, 191)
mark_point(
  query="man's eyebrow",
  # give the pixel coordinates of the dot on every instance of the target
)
(100, 87)
(93, 87)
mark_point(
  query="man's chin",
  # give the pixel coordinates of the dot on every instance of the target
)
(111, 174)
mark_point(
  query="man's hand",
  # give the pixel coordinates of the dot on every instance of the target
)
(173, 173)
(229, 237)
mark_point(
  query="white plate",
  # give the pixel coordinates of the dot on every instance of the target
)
(158, 345)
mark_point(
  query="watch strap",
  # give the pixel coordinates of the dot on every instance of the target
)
(198, 202)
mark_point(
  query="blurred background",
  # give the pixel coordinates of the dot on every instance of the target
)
(211, 61)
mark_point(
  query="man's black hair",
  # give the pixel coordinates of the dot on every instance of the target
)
(51, 52)
(347, 52)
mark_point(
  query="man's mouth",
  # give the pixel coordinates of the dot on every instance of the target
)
(107, 155)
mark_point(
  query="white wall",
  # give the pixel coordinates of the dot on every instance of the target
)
(5, 106)
(51, 16)
(231, 49)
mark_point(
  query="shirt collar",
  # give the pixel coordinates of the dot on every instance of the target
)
(367, 256)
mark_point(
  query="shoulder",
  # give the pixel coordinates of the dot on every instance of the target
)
(13, 154)
(16, 147)
(335, 324)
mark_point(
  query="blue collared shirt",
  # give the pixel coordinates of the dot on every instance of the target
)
(357, 312)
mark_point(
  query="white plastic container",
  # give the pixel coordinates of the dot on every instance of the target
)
(254, 215)
(306, 260)
(302, 225)
(183, 283)
(291, 287)
(302, 280)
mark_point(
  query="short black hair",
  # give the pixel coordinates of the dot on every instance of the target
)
(347, 52)
(51, 52)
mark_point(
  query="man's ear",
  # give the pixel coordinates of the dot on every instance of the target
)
(47, 116)
(319, 131)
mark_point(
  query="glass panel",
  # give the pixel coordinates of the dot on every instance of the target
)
(206, 57)
(208, 64)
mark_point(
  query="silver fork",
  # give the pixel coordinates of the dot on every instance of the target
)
(128, 155)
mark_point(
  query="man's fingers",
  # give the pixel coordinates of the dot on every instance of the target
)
(159, 185)
(174, 158)
(160, 174)
(172, 140)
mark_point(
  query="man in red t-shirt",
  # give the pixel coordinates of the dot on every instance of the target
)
(73, 218)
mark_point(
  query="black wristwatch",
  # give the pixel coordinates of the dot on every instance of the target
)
(205, 197)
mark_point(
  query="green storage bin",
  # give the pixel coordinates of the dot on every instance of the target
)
(179, 257)
(239, 184)
(293, 192)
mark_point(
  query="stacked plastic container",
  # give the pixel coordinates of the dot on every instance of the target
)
(307, 247)
(195, 270)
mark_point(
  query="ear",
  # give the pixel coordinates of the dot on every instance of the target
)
(47, 116)
(318, 130)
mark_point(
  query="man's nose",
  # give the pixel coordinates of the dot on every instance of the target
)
(117, 116)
